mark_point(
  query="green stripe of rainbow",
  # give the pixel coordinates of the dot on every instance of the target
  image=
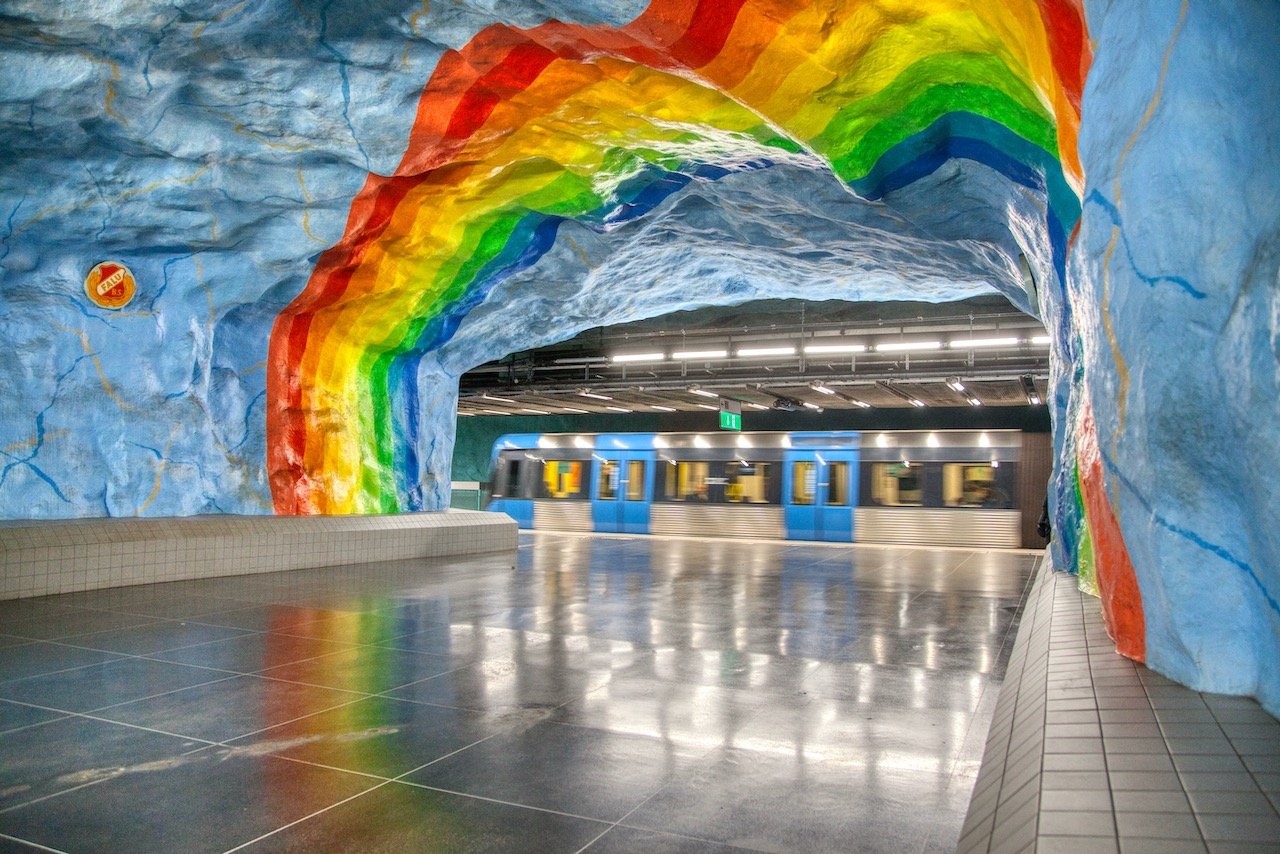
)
(523, 129)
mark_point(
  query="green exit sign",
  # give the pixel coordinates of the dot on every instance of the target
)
(730, 414)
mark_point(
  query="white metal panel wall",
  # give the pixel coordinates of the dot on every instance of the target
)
(919, 526)
(694, 520)
(562, 516)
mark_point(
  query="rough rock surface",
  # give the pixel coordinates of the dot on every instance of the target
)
(218, 149)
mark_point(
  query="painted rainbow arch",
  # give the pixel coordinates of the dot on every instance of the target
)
(524, 129)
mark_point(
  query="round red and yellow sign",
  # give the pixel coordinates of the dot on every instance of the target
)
(110, 285)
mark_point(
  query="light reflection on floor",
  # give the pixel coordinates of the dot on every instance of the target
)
(610, 693)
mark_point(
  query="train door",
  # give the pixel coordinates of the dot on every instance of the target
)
(622, 488)
(819, 494)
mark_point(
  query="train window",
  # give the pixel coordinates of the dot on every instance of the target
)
(965, 485)
(563, 478)
(837, 484)
(635, 480)
(804, 482)
(747, 482)
(897, 485)
(608, 480)
(689, 482)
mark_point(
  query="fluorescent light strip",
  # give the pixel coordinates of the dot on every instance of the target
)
(816, 349)
(819, 387)
(967, 343)
(497, 399)
(860, 403)
(663, 408)
(973, 401)
(594, 395)
(758, 406)
(1040, 339)
(700, 354)
(703, 392)
(619, 409)
(809, 405)
(915, 402)
(638, 357)
(905, 346)
(575, 411)
(750, 352)
(536, 411)
(706, 406)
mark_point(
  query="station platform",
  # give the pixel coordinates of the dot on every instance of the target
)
(608, 694)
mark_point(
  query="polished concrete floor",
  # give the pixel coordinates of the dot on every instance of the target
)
(608, 694)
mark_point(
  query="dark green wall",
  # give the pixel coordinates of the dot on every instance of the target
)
(477, 434)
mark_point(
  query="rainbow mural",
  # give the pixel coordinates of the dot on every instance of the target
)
(522, 130)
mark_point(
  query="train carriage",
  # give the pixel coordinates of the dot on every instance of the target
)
(916, 487)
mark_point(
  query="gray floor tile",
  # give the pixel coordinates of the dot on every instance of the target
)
(40, 657)
(74, 751)
(205, 802)
(16, 716)
(95, 686)
(228, 708)
(378, 735)
(577, 770)
(1254, 828)
(1147, 825)
(398, 817)
(155, 637)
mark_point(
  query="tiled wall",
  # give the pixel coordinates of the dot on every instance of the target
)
(1090, 752)
(40, 558)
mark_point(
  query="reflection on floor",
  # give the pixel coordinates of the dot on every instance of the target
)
(611, 694)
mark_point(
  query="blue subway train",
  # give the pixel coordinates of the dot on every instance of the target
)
(912, 487)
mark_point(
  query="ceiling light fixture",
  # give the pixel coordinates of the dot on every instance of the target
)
(757, 406)
(969, 343)
(815, 407)
(620, 358)
(973, 401)
(819, 387)
(1040, 339)
(750, 352)
(954, 384)
(536, 411)
(702, 391)
(619, 409)
(818, 349)
(585, 393)
(1029, 388)
(706, 406)
(575, 411)
(488, 396)
(663, 408)
(897, 392)
(907, 346)
(694, 355)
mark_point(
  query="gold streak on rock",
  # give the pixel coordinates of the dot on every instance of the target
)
(199, 30)
(123, 197)
(306, 214)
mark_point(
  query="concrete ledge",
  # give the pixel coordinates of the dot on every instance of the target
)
(38, 558)
(1089, 751)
